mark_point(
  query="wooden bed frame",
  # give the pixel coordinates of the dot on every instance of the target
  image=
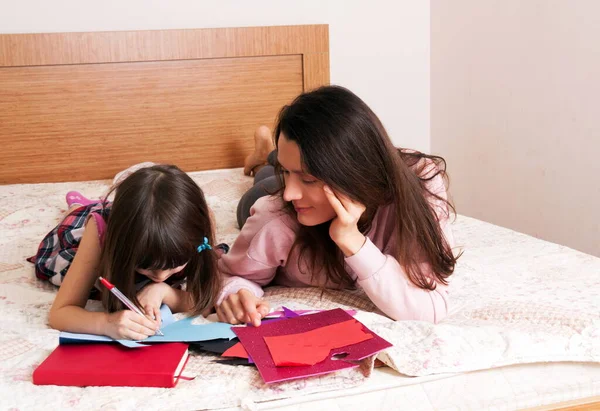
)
(83, 106)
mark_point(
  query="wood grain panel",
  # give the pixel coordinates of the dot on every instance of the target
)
(316, 70)
(78, 106)
(582, 404)
(84, 122)
(127, 46)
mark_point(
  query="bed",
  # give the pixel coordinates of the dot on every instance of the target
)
(76, 108)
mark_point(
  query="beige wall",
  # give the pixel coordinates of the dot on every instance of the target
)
(515, 109)
(379, 49)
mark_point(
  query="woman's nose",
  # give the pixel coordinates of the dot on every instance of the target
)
(292, 191)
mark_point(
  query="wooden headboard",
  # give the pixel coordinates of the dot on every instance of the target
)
(83, 106)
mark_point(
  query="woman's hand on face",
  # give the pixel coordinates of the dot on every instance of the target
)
(127, 324)
(344, 227)
(242, 307)
(151, 298)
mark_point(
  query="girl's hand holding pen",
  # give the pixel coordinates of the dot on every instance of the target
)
(130, 325)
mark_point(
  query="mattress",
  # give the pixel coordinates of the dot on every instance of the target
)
(524, 329)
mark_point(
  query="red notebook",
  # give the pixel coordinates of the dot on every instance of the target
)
(82, 365)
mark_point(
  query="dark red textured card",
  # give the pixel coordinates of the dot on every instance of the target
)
(253, 340)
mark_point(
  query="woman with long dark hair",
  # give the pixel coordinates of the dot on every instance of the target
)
(346, 209)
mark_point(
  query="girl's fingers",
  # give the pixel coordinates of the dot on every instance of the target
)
(157, 316)
(132, 335)
(149, 311)
(137, 328)
(148, 325)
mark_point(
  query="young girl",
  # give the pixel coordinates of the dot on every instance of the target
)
(351, 210)
(156, 232)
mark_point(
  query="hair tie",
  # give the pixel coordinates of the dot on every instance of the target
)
(204, 246)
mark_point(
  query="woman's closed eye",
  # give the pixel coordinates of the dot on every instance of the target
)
(306, 179)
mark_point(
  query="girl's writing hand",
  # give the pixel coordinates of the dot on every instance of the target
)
(344, 227)
(129, 325)
(151, 298)
(242, 307)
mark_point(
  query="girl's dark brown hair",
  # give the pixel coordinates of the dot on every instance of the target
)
(344, 144)
(157, 220)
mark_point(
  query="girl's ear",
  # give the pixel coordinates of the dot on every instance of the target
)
(213, 221)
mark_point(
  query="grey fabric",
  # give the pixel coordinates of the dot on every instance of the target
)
(265, 182)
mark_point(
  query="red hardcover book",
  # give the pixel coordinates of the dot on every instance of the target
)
(82, 365)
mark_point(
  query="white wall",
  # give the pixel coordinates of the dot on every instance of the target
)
(515, 109)
(379, 49)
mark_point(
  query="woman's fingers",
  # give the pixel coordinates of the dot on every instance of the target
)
(242, 307)
(227, 312)
(335, 202)
(263, 308)
(221, 315)
(248, 304)
(236, 307)
(354, 208)
(344, 205)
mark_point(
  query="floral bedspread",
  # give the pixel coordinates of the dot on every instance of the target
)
(515, 299)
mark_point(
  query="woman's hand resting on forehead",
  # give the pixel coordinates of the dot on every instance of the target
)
(344, 227)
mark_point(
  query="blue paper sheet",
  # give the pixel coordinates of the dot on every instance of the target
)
(174, 331)
(80, 338)
(184, 331)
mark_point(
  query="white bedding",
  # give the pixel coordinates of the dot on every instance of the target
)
(516, 300)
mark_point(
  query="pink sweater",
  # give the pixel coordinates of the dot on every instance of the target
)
(261, 255)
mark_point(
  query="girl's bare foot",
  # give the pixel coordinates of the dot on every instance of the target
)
(263, 145)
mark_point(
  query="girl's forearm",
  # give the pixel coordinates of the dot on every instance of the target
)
(178, 300)
(78, 320)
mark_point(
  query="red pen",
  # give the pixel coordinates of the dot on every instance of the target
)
(115, 291)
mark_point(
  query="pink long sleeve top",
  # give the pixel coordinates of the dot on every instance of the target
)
(262, 254)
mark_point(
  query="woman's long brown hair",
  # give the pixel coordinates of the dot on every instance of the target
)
(158, 219)
(344, 144)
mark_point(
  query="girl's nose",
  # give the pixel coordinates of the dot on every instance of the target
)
(162, 275)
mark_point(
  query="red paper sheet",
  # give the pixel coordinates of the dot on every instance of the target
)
(314, 346)
(236, 351)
